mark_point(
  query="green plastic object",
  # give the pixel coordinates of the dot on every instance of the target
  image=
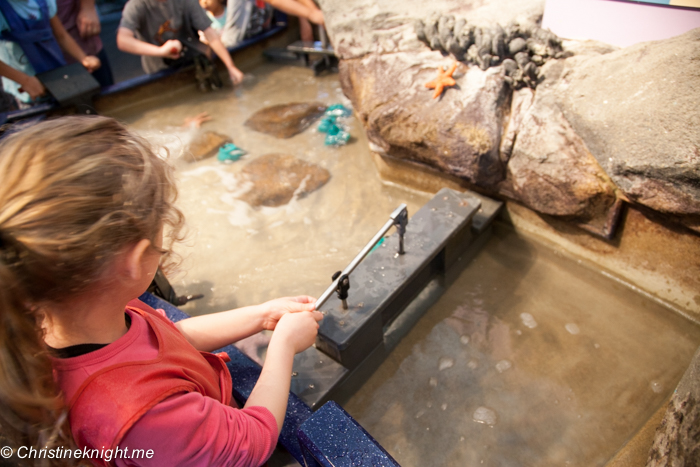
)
(229, 152)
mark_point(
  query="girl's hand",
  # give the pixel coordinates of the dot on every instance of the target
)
(203, 38)
(32, 86)
(298, 330)
(171, 49)
(88, 22)
(92, 63)
(236, 75)
(275, 309)
(316, 17)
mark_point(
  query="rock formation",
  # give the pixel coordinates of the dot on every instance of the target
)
(677, 441)
(570, 129)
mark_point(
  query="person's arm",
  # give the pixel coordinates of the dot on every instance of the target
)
(87, 20)
(297, 8)
(213, 331)
(295, 333)
(218, 47)
(129, 43)
(30, 84)
(69, 45)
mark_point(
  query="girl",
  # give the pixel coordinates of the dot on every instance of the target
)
(83, 207)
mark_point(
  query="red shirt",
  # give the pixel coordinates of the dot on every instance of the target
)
(185, 429)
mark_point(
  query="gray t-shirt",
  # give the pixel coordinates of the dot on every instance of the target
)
(157, 21)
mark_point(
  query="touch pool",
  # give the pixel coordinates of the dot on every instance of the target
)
(529, 358)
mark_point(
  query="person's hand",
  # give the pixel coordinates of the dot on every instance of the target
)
(297, 330)
(236, 75)
(203, 38)
(171, 49)
(32, 86)
(88, 22)
(92, 63)
(316, 17)
(274, 309)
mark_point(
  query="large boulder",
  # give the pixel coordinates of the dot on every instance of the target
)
(599, 127)
(458, 133)
(549, 167)
(638, 111)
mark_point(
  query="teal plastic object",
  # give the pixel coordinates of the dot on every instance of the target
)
(339, 110)
(336, 136)
(229, 152)
(326, 123)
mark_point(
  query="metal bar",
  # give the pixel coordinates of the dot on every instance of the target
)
(361, 255)
(322, 36)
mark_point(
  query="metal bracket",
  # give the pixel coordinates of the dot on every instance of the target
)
(398, 218)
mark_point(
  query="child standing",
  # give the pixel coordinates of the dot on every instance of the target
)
(153, 29)
(83, 208)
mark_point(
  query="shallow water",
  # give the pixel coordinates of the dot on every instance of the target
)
(237, 255)
(528, 359)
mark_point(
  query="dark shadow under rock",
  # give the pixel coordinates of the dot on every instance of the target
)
(285, 120)
(276, 178)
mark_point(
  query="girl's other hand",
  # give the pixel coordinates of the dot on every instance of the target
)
(88, 22)
(316, 17)
(32, 86)
(92, 63)
(171, 49)
(236, 75)
(275, 309)
(298, 330)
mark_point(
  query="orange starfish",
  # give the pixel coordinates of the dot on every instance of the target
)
(444, 79)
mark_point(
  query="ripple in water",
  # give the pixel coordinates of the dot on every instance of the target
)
(503, 365)
(656, 387)
(572, 328)
(528, 320)
(445, 363)
(484, 415)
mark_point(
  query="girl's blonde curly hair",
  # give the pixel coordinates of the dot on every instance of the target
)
(74, 192)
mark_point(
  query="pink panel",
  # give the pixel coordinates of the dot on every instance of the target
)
(617, 23)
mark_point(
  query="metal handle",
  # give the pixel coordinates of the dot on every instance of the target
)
(399, 217)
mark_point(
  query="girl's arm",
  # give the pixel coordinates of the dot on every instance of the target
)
(299, 8)
(295, 333)
(30, 84)
(69, 45)
(129, 43)
(213, 331)
(88, 21)
(217, 46)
